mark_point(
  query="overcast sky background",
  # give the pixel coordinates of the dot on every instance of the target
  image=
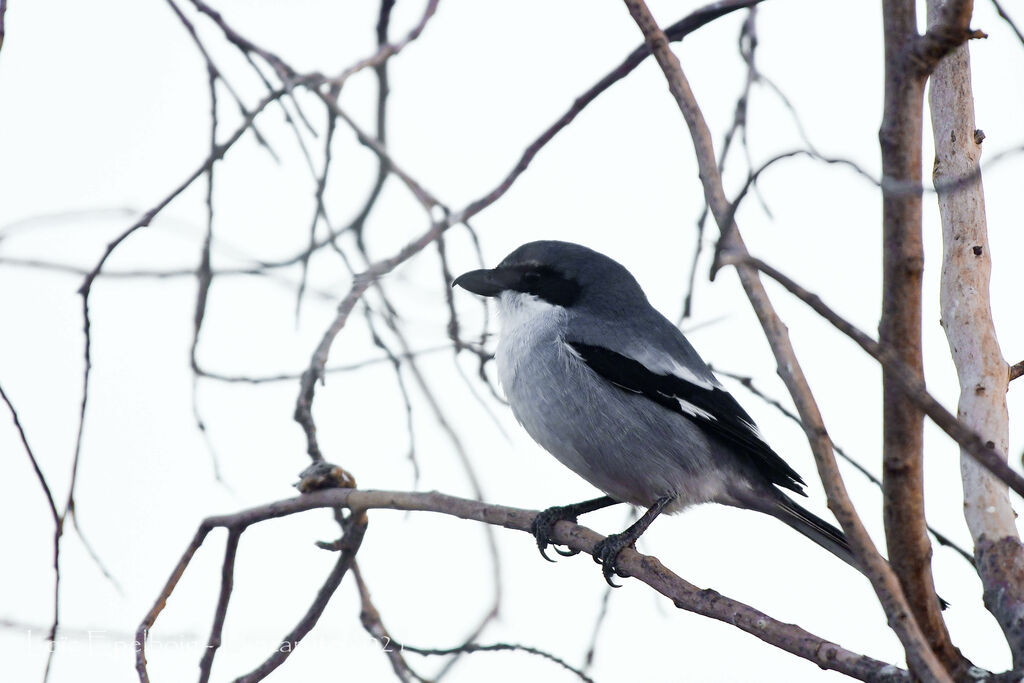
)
(104, 109)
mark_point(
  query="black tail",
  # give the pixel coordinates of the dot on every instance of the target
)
(821, 532)
(815, 528)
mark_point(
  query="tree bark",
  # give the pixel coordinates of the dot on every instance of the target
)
(900, 136)
(967, 321)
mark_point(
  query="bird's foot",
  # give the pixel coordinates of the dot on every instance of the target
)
(544, 525)
(607, 551)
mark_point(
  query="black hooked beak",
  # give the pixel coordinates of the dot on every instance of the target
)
(487, 282)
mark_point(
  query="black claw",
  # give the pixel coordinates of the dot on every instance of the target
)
(543, 526)
(605, 554)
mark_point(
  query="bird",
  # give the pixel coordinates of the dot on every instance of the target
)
(614, 391)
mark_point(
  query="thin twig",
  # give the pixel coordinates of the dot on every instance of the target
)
(40, 477)
(467, 648)
(320, 211)
(748, 384)
(374, 625)
(588, 660)
(1016, 370)
(3, 23)
(227, 582)
(982, 452)
(86, 287)
(386, 50)
(204, 280)
(350, 546)
(396, 366)
(1006, 17)
(218, 74)
(93, 555)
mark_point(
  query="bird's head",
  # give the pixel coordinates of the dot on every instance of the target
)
(562, 274)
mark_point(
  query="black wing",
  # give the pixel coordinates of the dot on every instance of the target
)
(712, 409)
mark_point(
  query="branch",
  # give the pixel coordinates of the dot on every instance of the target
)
(354, 529)
(58, 530)
(748, 384)
(983, 452)
(1016, 370)
(227, 582)
(3, 23)
(32, 459)
(948, 29)
(374, 625)
(1006, 17)
(349, 547)
(3, 11)
(216, 153)
(644, 568)
(874, 566)
(970, 331)
(899, 329)
(386, 50)
(497, 647)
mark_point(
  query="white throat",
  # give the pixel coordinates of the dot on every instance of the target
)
(526, 322)
(516, 310)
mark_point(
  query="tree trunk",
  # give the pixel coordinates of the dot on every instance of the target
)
(967, 320)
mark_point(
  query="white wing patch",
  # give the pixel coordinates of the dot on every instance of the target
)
(661, 363)
(693, 410)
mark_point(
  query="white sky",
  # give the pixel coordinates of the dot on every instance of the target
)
(104, 109)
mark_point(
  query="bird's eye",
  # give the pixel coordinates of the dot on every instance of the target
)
(531, 277)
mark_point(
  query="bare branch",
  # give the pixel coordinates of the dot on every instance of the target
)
(496, 647)
(396, 365)
(349, 547)
(211, 67)
(748, 384)
(58, 530)
(386, 50)
(283, 71)
(40, 477)
(922, 661)
(3, 23)
(948, 30)
(1016, 370)
(970, 331)
(216, 154)
(983, 452)
(142, 633)
(93, 555)
(1006, 17)
(899, 329)
(227, 582)
(374, 625)
(588, 660)
(644, 568)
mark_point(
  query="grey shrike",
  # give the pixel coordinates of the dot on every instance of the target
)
(611, 388)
